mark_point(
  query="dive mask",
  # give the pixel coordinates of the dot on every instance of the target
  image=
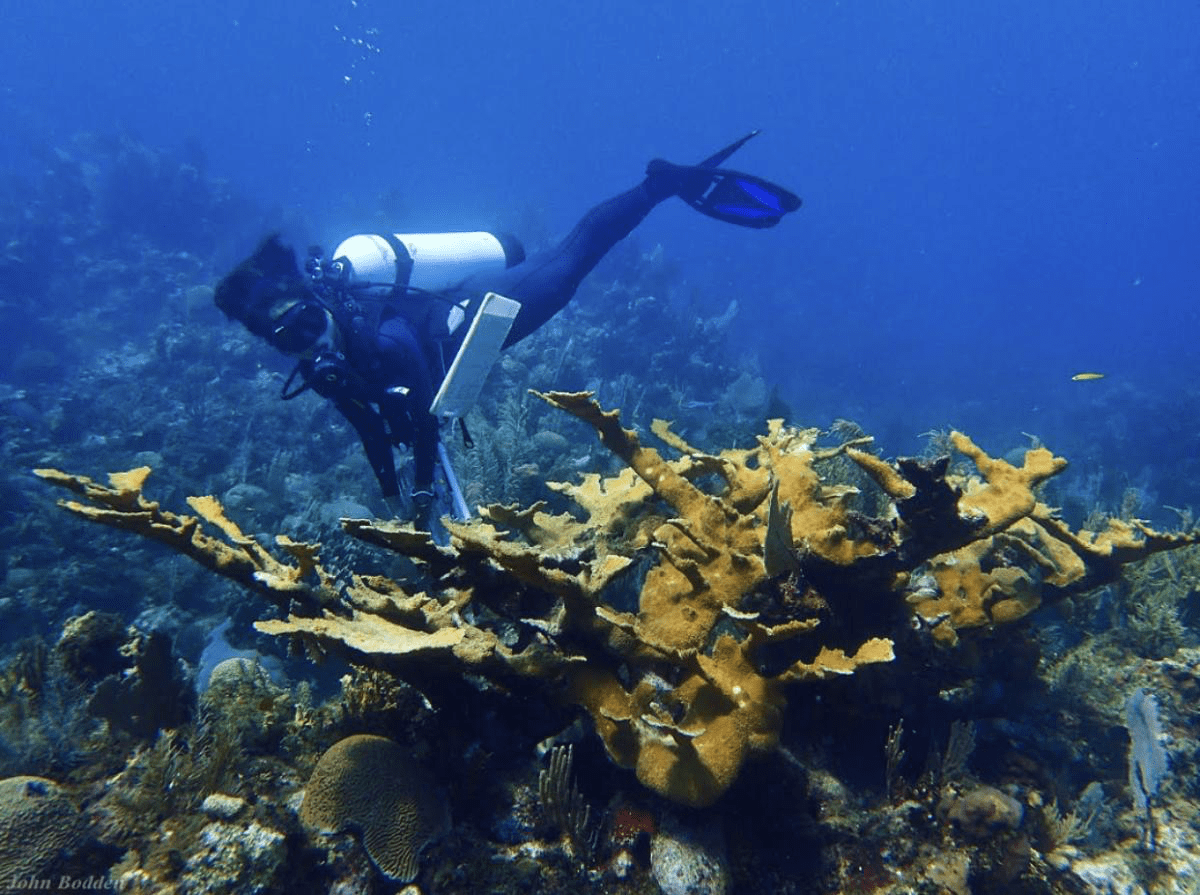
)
(298, 328)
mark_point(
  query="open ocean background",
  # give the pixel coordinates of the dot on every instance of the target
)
(998, 195)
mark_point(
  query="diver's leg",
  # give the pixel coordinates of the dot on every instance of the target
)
(544, 283)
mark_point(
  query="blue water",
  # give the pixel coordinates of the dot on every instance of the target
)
(998, 195)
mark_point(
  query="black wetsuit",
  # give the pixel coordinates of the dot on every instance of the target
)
(397, 369)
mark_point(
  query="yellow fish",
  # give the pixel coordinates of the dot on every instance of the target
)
(1086, 377)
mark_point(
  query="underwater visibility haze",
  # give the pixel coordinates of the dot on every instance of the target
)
(853, 554)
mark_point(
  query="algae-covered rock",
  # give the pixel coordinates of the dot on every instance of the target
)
(222, 806)
(232, 859)
(689, 860)
(982, 811)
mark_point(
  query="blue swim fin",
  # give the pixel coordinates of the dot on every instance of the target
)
(720, 193)
(714, 161)
(726, 195)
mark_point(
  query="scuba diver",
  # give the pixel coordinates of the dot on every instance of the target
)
(399, 330)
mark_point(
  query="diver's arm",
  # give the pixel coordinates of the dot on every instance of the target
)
(378, 447)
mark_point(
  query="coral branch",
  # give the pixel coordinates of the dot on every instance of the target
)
(239, 557)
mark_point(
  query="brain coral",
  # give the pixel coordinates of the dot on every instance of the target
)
(37, 824)
(371, 784)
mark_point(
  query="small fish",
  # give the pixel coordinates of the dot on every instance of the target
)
(1086, 377)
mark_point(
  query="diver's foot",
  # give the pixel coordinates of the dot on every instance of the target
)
(664, 179)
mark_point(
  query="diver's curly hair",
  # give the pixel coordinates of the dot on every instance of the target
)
(257, 289)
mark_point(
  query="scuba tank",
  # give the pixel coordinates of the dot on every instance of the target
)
(377, 264)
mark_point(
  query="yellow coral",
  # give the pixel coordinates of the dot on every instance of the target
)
(673, 682)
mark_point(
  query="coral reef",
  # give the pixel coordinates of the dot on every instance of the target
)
(756, 573)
